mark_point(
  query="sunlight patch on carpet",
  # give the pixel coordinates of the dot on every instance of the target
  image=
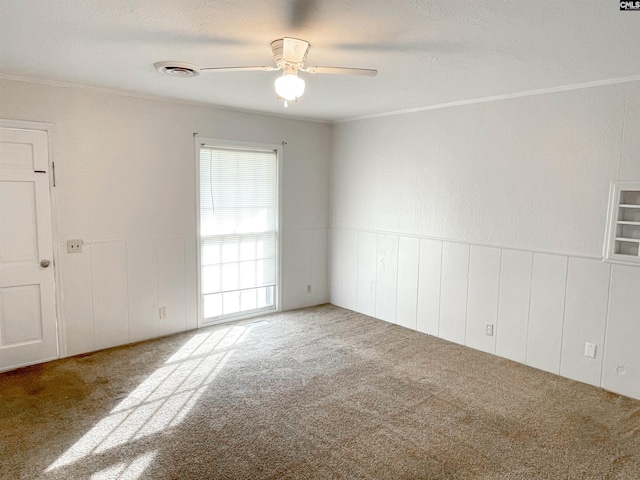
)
(129, 471)
(159, 403)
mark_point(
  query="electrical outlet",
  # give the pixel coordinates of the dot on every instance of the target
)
(308, 288)
(163, 312)
(488, 329)
(590, 350)
(74, 246)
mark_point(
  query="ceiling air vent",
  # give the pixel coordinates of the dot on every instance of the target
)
(178, 69)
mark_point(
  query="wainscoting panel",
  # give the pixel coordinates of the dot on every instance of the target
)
(367, 262)
(304, 268)
(482, 300)
(429, 286)
(350, 268)
(319, 266)
(191, 285)
(585, 319)
(387, 277)
(75, 274)
(621, 367)
(335, 267)
(408, 264)
(110, 298)
(172, 288)
(513, 308)
(546, 314)
(142, 289)
(296, 263)
(453, 292)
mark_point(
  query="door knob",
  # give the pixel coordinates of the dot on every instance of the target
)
(45, 263)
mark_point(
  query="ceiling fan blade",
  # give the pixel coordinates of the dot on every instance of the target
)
(367, 72)
(294, 50)
(263, 68)
(433, 47)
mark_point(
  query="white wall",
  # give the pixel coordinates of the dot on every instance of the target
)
(125, 174)
(501, 207)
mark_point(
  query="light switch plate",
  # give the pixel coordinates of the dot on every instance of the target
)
(590, 350)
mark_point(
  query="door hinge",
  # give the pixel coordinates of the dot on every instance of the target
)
(53, 172)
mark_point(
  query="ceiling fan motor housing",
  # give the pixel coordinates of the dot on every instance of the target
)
(294, 55)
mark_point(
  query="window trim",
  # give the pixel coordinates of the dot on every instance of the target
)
(232, 144)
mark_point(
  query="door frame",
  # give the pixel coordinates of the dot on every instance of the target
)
(198, 142)
(49, 128)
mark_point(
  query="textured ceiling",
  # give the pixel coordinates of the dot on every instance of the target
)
(428, 52)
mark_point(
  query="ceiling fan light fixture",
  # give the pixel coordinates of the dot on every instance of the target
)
(289, 86)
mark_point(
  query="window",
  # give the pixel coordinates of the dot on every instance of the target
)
(622, 242)
(238, 231)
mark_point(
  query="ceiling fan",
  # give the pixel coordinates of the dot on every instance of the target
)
(290, 56)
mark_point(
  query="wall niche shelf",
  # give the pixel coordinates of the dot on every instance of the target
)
(622, 241)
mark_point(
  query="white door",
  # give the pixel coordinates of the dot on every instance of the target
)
(27, 298)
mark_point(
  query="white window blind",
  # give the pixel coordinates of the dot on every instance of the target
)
(238, 227)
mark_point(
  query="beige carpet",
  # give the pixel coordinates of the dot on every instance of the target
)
(316, 393)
